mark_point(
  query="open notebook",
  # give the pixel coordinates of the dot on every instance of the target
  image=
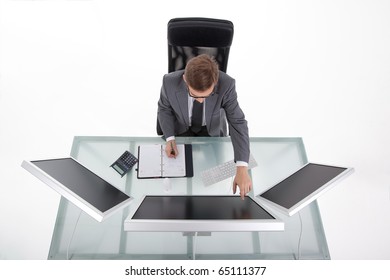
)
(154, 163)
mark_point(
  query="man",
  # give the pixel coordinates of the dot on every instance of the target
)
(190, 104)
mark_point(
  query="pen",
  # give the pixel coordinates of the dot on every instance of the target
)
(172, 150)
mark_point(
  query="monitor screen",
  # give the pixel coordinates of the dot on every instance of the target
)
(78, 184)
(303, 186)
(197, 213)
(200, 208)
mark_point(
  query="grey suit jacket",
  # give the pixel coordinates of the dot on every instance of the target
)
(173, 111)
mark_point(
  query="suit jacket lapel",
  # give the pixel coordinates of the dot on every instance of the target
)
(211, 102)
(182, 99)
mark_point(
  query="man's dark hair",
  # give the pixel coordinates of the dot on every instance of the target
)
(201, 72)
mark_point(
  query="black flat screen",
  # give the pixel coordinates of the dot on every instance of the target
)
(200, 208)
(83, 182)
(301, 184)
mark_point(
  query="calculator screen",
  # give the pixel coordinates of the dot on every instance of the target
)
(117, 168)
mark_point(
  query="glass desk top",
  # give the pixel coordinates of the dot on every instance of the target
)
(78, 236)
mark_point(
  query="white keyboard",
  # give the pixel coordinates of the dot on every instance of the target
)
(223, 171)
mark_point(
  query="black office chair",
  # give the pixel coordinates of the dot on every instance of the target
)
(190, 37)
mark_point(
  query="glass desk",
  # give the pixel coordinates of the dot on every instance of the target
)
(78, 236)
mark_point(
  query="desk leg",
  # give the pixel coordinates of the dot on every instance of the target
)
(255, 235)
(190, 238)
(126, 211)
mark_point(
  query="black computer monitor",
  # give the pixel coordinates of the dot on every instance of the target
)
(79, 185)
(302, 187)
(199, 213)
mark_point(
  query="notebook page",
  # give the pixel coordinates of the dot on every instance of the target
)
(174, 167)
(149, 164)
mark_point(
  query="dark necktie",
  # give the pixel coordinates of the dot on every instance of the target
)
(197, 116)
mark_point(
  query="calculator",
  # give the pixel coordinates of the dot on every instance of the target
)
(124, 163)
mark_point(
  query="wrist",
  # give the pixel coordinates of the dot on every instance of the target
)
(241, 169)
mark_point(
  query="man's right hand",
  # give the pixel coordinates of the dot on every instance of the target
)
(171, 149)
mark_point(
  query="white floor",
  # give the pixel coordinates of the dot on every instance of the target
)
(322, 73)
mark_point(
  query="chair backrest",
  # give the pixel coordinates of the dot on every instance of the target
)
(190, 37)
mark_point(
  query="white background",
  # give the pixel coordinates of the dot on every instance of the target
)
(313, 69)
